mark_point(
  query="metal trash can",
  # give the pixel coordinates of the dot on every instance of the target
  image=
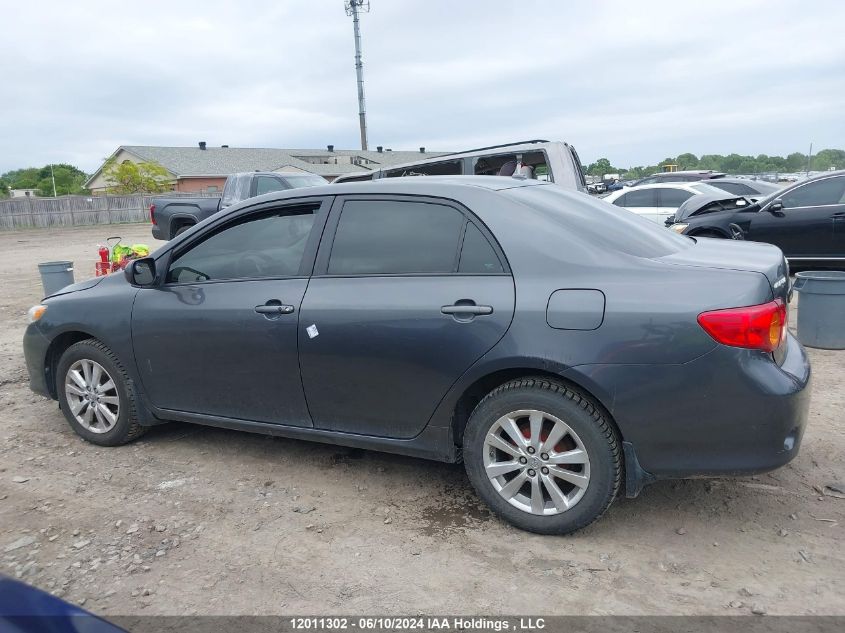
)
(821, 308)
(55, 276)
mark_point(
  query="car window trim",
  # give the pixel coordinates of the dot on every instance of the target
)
(306, 266)
(801, 186)
(321, 263)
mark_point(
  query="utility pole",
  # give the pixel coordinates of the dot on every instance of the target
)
(352, 8)
(53, 176)
(809, 158)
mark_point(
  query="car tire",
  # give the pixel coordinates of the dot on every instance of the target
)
(96, 395)
(182, 229)
(561, 506)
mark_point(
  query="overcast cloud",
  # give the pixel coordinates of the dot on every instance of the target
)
(633, 81)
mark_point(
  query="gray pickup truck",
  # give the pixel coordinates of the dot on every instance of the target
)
(172, 216)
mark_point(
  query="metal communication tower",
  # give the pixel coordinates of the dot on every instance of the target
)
(353, 7)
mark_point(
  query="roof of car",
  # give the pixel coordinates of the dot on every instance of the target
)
(419, 185)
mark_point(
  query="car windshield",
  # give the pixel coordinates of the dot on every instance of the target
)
(701, 187)
(305, 180)
(601, 222)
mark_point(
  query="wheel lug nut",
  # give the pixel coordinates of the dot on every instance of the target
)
(544, 470)
(522, 460)
(531, 472)
(544, 455)
(531, 450)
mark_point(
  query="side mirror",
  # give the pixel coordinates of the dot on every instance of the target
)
(776, 208)
(141, 272)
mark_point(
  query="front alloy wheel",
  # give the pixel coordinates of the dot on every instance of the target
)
(96, 394)
(92, 396)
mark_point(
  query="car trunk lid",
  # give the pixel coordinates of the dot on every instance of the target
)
(722, 254)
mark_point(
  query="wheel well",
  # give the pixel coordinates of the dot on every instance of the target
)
(178, 223)
(54, 353)
(481, 387)
(707, 233)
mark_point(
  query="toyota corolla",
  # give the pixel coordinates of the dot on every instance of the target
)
(566, 350)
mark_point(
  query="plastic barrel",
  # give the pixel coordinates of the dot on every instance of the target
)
(821, 308)
(55, 276)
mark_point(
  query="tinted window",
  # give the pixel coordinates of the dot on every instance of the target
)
(449, 168)
(827, 191)
(737, 188)
(304, 180)
(621, 200)
(640, 198)
(268, 245)
(266, 184)
(393, 237)
(598, 223)
(477, 254)
(673, 198)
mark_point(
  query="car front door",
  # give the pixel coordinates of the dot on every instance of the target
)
(218, 336)
(407, 294)
(809, 225)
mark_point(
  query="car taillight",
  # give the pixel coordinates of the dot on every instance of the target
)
(153, 213)
(760, 327)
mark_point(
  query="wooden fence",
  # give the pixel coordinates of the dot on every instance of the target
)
(27, 213)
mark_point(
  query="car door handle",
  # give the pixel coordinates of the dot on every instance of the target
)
(464, 309)
(269, 308)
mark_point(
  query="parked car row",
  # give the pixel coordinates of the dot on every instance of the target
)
(805, 220)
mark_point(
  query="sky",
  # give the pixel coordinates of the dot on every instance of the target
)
(635, 82)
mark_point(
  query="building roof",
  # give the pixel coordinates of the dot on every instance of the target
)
(222, 161)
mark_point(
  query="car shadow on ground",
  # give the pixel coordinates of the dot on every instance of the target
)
(441, 499)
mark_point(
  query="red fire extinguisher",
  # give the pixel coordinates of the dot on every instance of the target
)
(104, 253)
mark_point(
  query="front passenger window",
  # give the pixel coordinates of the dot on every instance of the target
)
(270, 244)
(821, 192)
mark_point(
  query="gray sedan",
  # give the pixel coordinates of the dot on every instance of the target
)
(565, 349)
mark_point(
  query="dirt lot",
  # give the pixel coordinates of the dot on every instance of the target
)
(200, 520)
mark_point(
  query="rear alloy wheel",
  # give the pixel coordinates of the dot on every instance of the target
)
(542, 456)
(536, 462)
(96, 396)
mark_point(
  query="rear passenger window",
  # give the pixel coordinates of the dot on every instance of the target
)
(477, 254)
(266, 184)
(641, 198)
(673, 198)
(394, 237)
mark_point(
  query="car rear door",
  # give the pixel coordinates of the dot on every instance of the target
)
(668, 201)
(810, 225)
(642, 202)
(219, 336)
(407, 294)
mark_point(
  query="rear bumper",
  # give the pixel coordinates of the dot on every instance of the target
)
(158, 233)
(729, 412)
(35, 346)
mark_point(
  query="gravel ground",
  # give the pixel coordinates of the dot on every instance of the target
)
(200, 520)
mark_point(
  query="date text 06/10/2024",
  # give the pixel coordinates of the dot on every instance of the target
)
(418, 623)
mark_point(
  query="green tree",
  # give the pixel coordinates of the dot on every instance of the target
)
(128, 177)
(69, 180)
(687, 161)
(601, 167)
